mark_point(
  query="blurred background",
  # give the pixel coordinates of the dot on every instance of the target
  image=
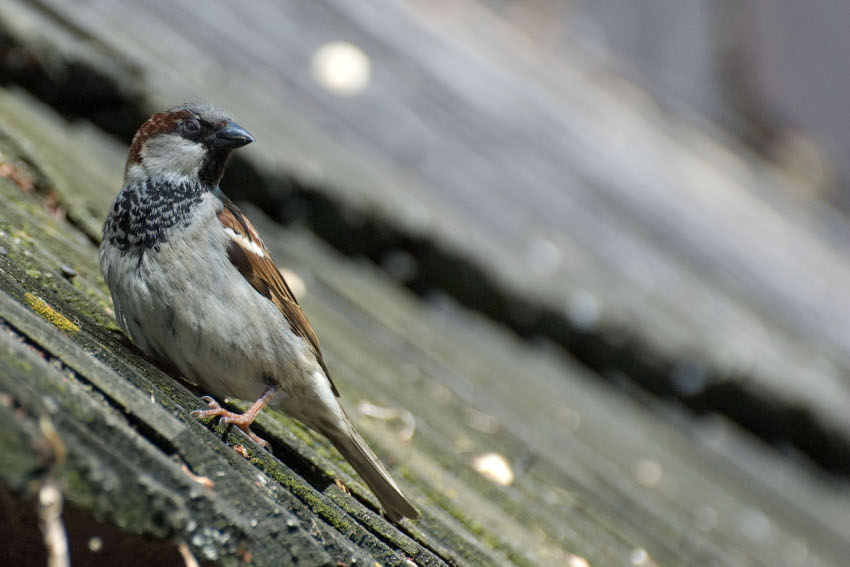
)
(762, 72)
(649, 197)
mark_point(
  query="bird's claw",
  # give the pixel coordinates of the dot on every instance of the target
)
(263, 444)
(214, 409)
(242, 421)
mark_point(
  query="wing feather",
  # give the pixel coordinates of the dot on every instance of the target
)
(249, 255)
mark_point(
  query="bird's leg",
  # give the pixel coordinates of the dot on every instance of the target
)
(241, 420)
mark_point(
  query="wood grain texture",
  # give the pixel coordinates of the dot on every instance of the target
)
(563, 192)
(583, 456)
(571, 191)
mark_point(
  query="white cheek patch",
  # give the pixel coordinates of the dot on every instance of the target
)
(244, 242)
(171, 155)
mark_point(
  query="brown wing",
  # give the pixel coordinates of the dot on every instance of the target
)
(251, 257)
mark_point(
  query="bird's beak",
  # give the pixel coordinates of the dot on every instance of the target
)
(231, 136)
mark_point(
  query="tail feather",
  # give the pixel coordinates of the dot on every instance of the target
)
(360, 456)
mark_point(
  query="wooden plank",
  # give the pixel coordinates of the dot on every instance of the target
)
(126, 427)
(597, 475)
(659, 240)
(599, 460)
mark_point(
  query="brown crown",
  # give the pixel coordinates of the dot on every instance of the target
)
(160, 123)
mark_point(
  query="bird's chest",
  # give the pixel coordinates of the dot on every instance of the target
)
(186, 304)
(144, 216)
(166, 291)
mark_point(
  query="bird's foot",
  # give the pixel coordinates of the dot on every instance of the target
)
(241, 420)
(214, 411)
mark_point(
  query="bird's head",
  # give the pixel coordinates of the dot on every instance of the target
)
(188, 143)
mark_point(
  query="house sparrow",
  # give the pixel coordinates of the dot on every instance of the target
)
(195, 288)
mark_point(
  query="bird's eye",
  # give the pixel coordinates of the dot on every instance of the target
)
(191, 126)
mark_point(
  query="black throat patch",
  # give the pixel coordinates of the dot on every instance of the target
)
(143, 215)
